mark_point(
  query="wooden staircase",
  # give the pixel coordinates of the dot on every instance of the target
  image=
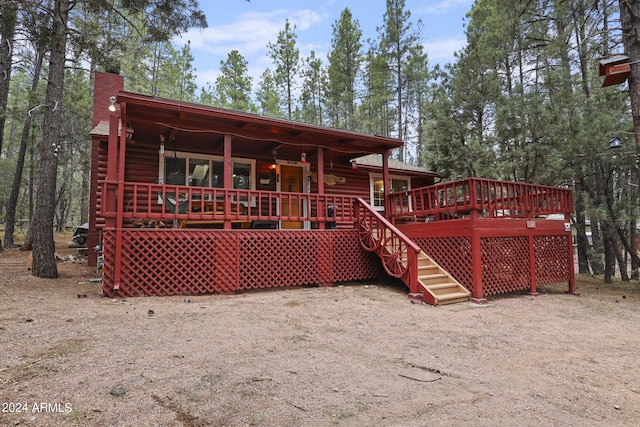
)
(403, 259)
(439, 286)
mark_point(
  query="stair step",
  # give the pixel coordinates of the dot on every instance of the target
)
(435, 279)
(440, 286)
(433, 275)
(452, 298)
(454, 295)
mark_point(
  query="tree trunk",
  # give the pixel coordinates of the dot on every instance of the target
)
(633, 239)
(7, 32)
(582, 242)
(12, 204)
(622, 262)
(44, 260)
(609, 255)
(630, 22)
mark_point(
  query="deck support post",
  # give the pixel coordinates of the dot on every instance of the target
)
(476, 267)
(532, 264)
(572, 273)
(322, 209)
(386, 177)
(228, 178)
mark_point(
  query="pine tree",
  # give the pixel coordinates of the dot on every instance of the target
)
(267, 95)
(397, 38)
(233, 85)
(312, 96)
(345, 60)
(286, 58)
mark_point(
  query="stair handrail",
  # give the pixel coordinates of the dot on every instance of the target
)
(412, 249)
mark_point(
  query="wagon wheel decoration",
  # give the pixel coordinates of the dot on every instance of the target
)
(370, 232)
(394, 256)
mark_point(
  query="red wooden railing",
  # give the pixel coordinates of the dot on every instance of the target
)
(484, 197)
(159, 202)
(398, 253)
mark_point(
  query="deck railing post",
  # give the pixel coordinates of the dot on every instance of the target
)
(532, 264)
(412, 261)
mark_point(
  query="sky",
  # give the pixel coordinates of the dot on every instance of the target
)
(248, 26)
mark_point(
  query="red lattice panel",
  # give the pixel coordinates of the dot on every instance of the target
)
(505, 264)
(277, 258)
(553, 260)
(165, 262)
(108, 256)
(188, 262)
(451, 253)
(350, 261)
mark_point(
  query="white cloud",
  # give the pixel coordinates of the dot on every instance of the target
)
(444, 6)
(305, 19)
(441, 51)
(250, 33)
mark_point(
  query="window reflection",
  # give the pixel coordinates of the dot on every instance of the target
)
(199, 173)
(204, 171)
(174, 170)
(242, 176)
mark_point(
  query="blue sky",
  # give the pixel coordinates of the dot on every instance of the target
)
(249, 26)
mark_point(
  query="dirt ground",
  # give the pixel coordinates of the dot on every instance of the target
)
(352, 355)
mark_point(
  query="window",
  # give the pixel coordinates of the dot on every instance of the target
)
(242, 175)
(398, 184)
(199, 170)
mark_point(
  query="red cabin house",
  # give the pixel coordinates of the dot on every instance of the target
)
(188, 199)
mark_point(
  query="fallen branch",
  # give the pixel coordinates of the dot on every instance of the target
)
(297, 407)
(420, 380)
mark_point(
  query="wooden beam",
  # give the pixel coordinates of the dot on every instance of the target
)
(228, 177)
(386, 177)
(321, 207)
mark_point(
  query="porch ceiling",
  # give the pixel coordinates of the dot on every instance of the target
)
(257, 135)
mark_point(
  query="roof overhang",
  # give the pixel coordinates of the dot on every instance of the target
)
(174, 120)
(373, 163)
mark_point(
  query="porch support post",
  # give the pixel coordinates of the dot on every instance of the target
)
(109, 191)
(120, 197)
(322, 208)
(386, 177)
(228, 179)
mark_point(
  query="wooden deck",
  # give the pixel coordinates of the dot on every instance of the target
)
(442, 251)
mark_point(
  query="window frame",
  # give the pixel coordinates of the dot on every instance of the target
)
(187, 155)
(376, 176)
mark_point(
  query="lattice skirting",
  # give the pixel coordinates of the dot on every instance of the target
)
(505, 260)
(189, 262)
(505, 265)
(453, 254)
(553, 259)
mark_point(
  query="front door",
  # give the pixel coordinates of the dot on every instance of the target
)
(291, 181)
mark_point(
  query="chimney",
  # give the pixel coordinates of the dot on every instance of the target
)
(105, 85)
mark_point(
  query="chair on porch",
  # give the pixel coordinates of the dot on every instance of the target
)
(170, 202)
